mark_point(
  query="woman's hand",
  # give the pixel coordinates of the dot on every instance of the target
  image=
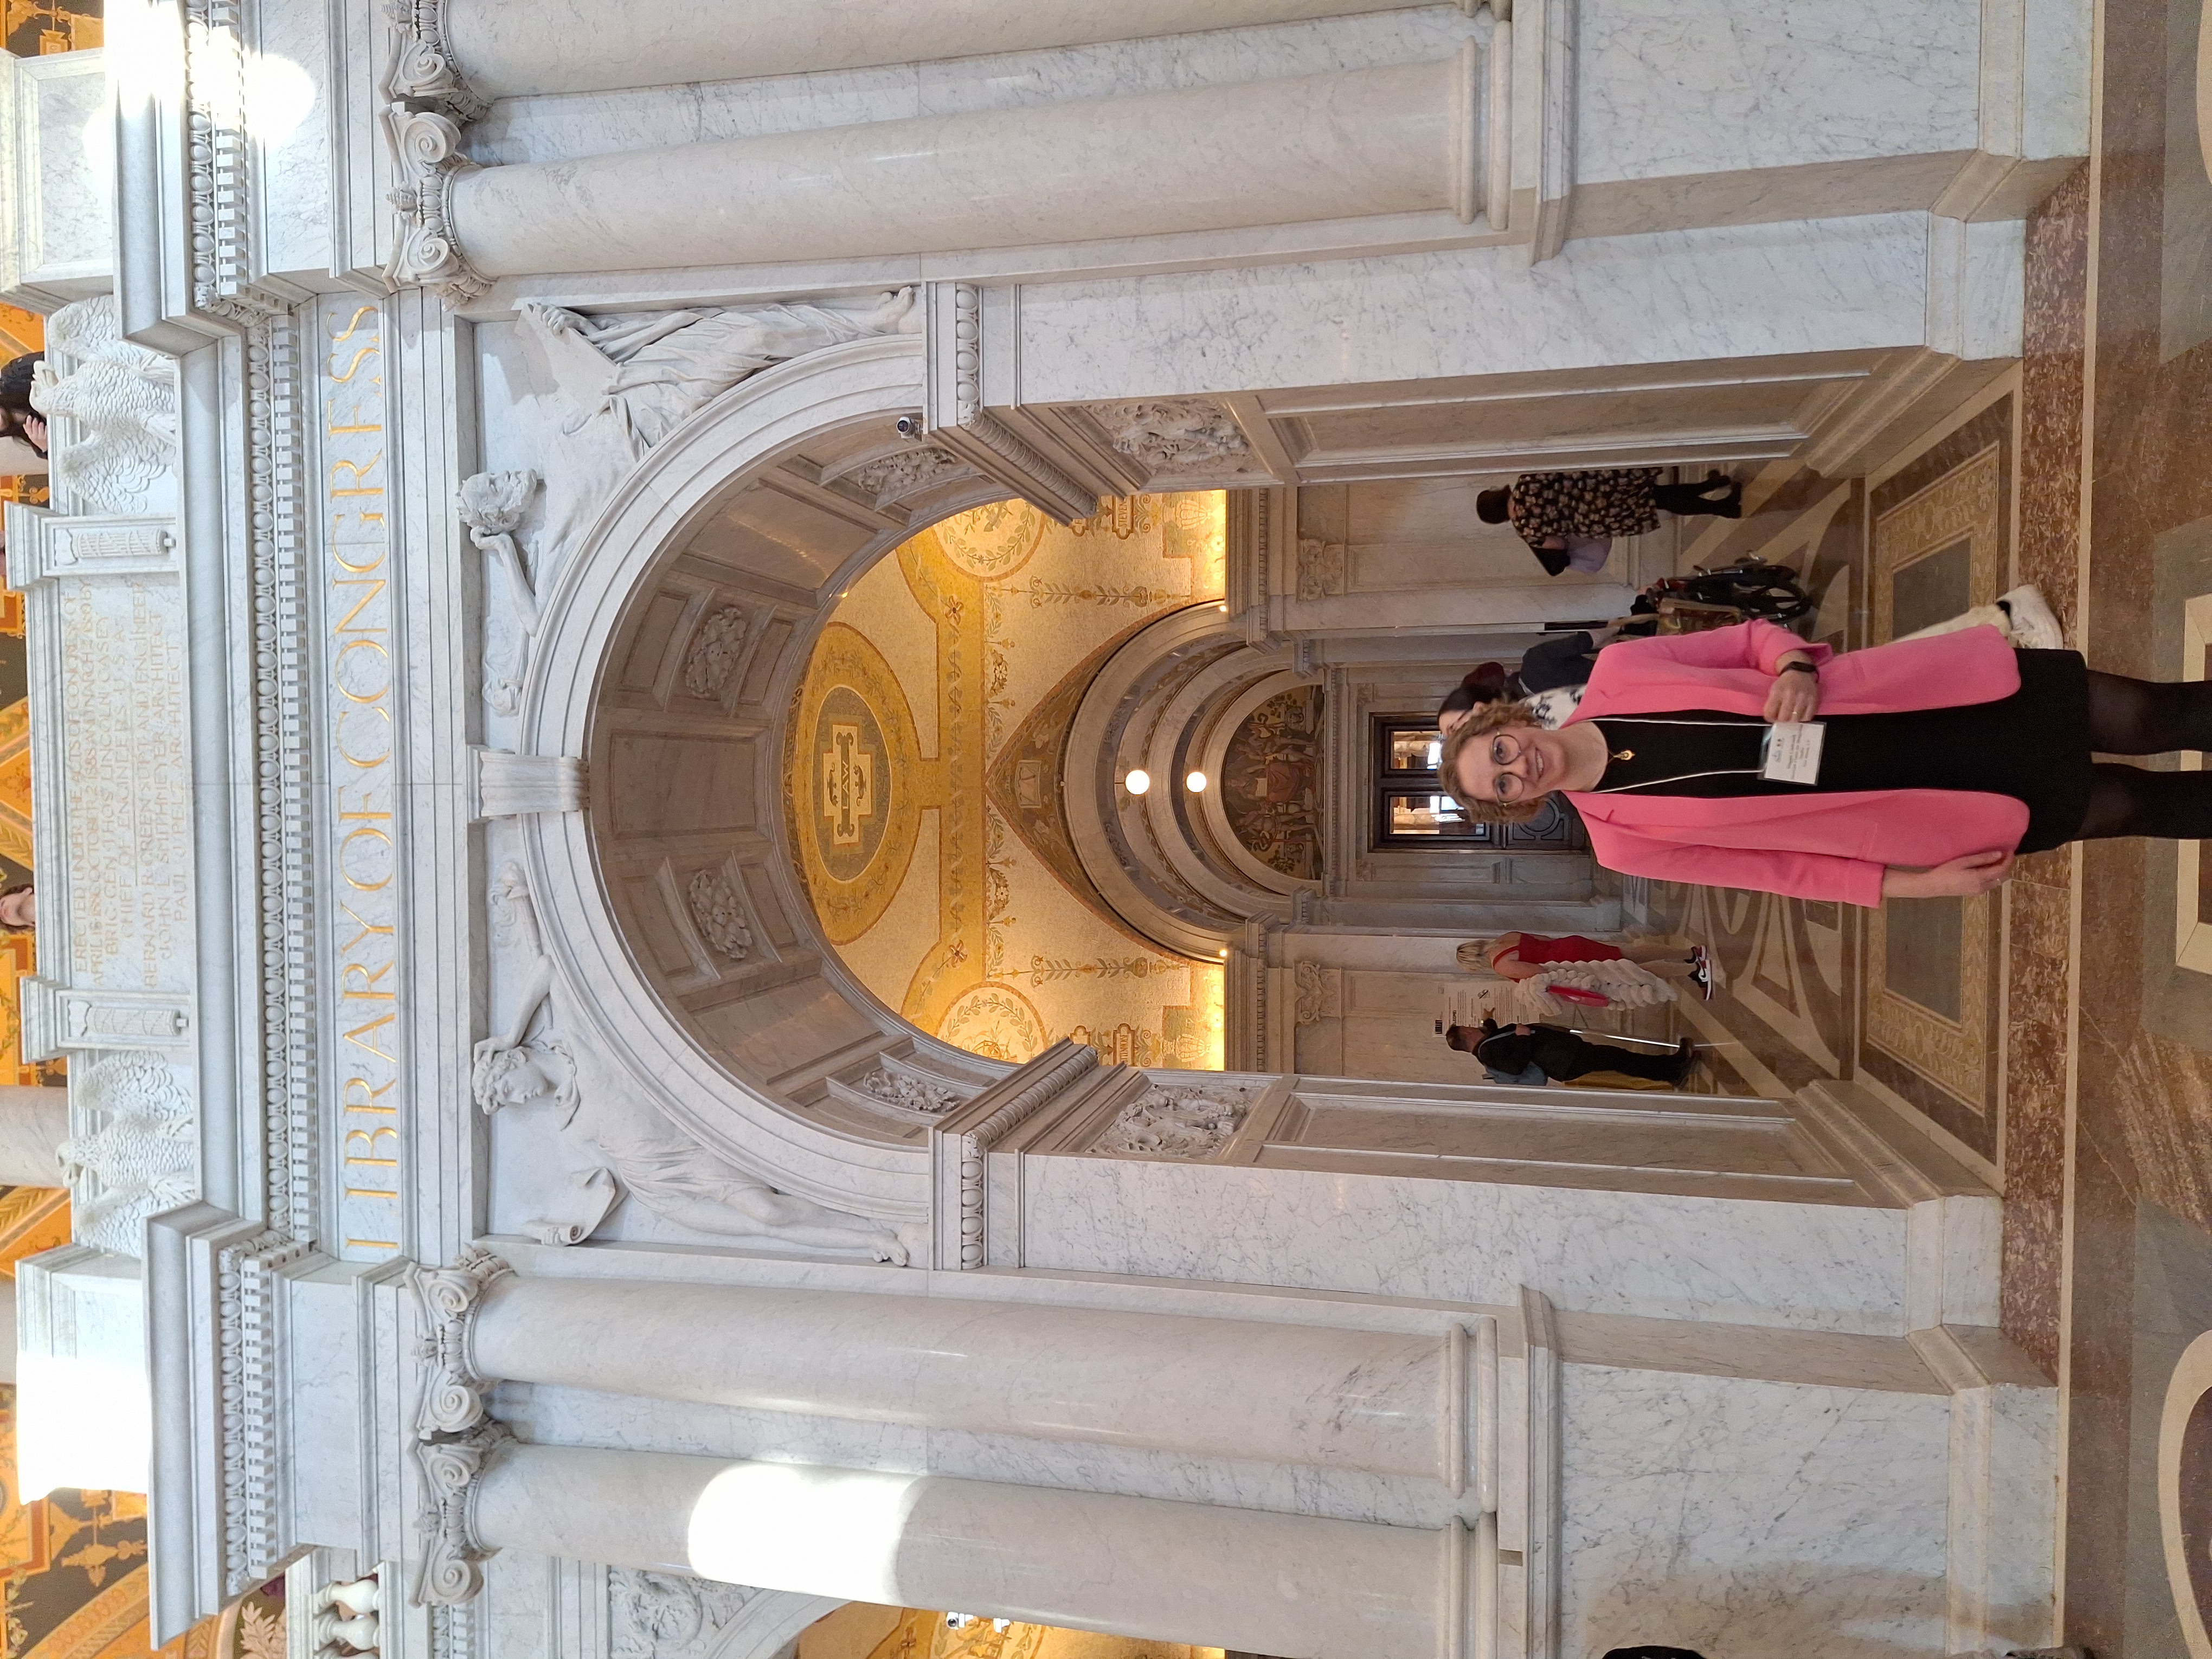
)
(1962, 878)
(1796, 695)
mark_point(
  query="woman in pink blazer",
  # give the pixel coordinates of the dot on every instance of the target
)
(1942, 759)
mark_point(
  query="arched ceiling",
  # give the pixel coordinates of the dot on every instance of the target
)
(924, 769)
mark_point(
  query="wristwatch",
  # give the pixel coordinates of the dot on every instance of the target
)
(1798, 668)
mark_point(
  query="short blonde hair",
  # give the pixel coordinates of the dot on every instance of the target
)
(1499, 716)
(1475, 953)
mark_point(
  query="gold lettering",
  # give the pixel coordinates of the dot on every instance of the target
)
(354, 1037)
(354, 367)
(369, 1139)
(352, 324)
(351, 759)
(369, 1103)
(360, 567)
(361, 470)
(375, 584)
(371, 1243)
(338, 664)
(351, 879)
(367, 979)
(367, 928)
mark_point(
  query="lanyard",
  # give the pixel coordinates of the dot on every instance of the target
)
(1686, 777)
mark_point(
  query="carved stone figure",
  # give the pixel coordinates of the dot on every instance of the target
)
(614, 387)
(716, 650)
(718, 914)
(1173, 436)
(122, 399)
(141, 1158)
(674, 1177)
(492, 506)
(1185, 1123)
(666, 1615)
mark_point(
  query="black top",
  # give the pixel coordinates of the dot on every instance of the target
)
(1558, 1053)
(1563, 659)
(2033, 745)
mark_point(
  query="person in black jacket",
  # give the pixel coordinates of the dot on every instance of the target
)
(1562, 1056)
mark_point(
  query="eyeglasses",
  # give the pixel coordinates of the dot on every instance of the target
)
(1505, 751)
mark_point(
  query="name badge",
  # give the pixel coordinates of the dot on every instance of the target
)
(1793, 751)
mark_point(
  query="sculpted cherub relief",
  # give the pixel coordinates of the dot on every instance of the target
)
(544, 1058)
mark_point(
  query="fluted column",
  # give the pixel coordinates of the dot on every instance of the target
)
(1147, 1568)
(508, 48)
(1344, 145)
(33, 1123)
(1388, 1403)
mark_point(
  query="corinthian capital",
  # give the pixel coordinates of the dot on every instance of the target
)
(452, 1399)
(420, 68)
(452, 1555)
(426, 149)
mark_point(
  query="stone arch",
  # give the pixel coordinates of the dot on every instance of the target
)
(765, 1060)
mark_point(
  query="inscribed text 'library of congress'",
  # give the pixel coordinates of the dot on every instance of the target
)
(1106, 829)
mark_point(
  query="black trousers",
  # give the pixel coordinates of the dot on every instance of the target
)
(1715, 495)
(1629, 1062)
(1565, 1056)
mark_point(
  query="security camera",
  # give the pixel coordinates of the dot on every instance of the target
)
(910, 426)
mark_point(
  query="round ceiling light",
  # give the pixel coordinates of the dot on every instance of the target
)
(1136, 782)
(1195, 783)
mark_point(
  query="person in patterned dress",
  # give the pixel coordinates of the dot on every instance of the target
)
(1569, 519)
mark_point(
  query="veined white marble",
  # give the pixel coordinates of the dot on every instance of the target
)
(1715, 86)
(60, 175)
(1816, 1267)
(1735, 1517)
(557, 126)
(1309, 148)
(507, 50)
(1822, 285)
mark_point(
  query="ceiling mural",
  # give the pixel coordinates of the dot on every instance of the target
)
(1271, 783)
(924, 774)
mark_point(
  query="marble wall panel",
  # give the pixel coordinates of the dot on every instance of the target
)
(1814, 1267)
(1816, 286)
(1710, 86)
(1731, 1516)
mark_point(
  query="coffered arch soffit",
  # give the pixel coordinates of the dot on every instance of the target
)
(740, 510)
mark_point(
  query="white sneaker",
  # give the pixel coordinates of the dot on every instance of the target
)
(2034, 627)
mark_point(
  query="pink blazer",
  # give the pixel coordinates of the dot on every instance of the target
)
(1817, 847)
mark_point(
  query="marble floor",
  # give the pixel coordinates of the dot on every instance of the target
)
(2059, 1035)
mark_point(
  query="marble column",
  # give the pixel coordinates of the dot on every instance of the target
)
(1344, 145)
(508, 48)
(1143, 1567)
(33, 1123)
(1383, 1402)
